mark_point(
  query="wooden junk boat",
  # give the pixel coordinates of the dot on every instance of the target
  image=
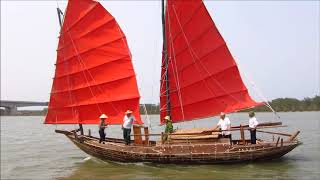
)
(199, 78)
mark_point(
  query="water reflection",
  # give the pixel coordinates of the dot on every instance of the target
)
(96, 169)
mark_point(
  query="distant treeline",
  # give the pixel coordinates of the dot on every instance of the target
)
(279, 105)
(291, 105)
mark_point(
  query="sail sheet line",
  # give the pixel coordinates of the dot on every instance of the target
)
(260, 94)
(204, 67)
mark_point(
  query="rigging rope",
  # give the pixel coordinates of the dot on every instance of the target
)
(63, 55)
(259, 93)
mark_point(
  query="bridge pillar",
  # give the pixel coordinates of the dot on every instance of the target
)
(12, 110)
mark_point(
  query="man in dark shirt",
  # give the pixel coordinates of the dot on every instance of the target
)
(102, 126)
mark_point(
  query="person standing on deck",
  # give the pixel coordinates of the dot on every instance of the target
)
(253, 123)
(126, 126)
(169, 126)
(102, 126)
(224, 124)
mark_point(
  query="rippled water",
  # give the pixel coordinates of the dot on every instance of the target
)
(31, 150)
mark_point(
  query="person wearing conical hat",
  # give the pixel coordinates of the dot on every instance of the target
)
(126, 126)
(253, 123)
(169, 126)
(102, 127)
(224, 124)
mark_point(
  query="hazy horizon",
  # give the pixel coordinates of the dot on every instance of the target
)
(275, 44)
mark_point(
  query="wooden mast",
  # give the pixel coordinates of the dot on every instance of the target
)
(166, 60)
(60, 22)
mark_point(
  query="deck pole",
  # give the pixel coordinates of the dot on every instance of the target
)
(294, 136)
(242, 135)
(81, 129)
(277, 141)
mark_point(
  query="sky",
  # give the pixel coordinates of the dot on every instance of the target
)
(276, 45)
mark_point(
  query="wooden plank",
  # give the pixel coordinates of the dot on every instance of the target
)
(261, 124)
(206, 132)
(211, 136)
(268, 132)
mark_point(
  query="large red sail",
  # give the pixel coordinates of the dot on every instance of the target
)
(204, 79)
(94, 72)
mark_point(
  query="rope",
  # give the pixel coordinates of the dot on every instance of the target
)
(68, 77)
(259, 93)
(176, 74)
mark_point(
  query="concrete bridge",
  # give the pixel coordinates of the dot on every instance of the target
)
(11, 107)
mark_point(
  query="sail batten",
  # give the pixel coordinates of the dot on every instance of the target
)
(203, 76)
(86, 33)
(92, 85)
(92, 67)
(94, 72)
(108, 44)
(95, 103)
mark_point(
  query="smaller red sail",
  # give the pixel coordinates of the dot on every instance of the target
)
(94, 73)
(204, 79)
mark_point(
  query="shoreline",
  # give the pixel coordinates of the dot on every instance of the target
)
(36, 113)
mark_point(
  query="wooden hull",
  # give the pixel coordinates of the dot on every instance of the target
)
(184, 153)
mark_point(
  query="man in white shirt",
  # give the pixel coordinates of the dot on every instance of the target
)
(126, 126)
(253, 123)
(224, 124)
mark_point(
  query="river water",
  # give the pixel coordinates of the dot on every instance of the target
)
(32, 150)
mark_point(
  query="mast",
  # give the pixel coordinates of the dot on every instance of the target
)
(59, 16)
(166, 60)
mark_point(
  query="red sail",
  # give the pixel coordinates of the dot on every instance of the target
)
(94, 72)
(204, 79)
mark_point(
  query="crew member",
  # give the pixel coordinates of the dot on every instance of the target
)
(126, 126)
(102, 126)
(169, 126)
(253, 123)
(224, 124)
